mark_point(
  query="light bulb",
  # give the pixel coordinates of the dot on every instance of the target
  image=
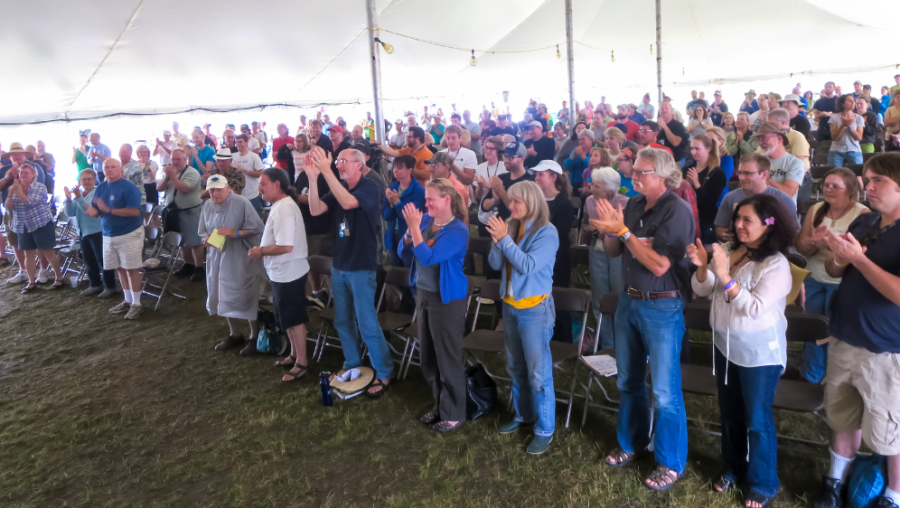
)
(387, 48)
(558, 54)
(651, 50)
(612, 56)
(473, 62)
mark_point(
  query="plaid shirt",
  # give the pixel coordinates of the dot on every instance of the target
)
(28, 217)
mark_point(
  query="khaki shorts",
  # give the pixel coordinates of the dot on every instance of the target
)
(862, 391)
(12, 237)
(125, 251)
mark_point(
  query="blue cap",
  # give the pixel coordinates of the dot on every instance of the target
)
(514, 149)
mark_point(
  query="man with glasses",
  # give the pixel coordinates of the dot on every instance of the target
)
(647, 136)
(753, 174)
(652, 234)
(787, 170)
(355, 202)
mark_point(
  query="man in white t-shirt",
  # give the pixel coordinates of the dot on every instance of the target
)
(464, 160)
(787, 171)
(474, 129)
(251, 165)
(164, 148)
(260, 135)
(398, 138)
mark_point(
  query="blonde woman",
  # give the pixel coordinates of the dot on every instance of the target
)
(728, 123)
(718, 136)
(525, 252)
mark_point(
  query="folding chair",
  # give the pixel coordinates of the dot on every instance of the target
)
(563, 354)
(394, 322)
(608, 307)
(485, 340)
(157, 278)
(576, 218)
(152, 241)
(580, 256)
(67, 245)
(155, 218)
(322, 265)
(482, 247)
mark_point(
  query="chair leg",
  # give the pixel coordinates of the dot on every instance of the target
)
(571, 394)
(587, 398)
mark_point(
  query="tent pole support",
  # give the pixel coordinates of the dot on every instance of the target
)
(371, 15)
(570, 63)
(659, 94)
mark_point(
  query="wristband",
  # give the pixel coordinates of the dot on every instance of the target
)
(611, 236)
(239, 233)
(845, 265)
(624, 230)
(730, 285)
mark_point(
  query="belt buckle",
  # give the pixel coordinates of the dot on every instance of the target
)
(632, 292)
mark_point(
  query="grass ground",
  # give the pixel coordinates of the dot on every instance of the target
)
(96, 411)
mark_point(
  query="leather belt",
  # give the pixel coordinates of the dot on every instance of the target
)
(649, 295)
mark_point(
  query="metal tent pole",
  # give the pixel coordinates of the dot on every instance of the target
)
(570, 63)
(376, 70)
(659, 94)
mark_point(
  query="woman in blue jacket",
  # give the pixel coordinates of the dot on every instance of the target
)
(404, 190)
(525, 252)
(438, 242)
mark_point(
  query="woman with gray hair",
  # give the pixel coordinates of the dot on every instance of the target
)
(606, 271)
(524, 251)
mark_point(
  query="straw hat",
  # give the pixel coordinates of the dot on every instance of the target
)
(16, 147)
(356, 380)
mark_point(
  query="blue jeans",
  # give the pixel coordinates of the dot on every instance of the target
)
(838, 159)
(92, 253)
(606, 277)
(355, 315)
(745, 404)
(818, 302)
(655, 329)
(527, 334)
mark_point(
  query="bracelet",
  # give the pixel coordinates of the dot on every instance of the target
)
(239, 233)
(730, 285)
(845, 265)
(611, 236)
(624, 230)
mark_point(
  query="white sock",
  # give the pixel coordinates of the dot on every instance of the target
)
(840, 467)
(890, 494)
(127, 294)
(136, 298)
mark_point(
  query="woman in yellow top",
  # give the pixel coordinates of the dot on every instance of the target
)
(524, 251)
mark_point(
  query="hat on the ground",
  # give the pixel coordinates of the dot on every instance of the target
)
(353, 380)
(440, 157)
(548, 165)
(216, 182)
(791, 97)
(772, 128)
(514, 149)
(16, 147)
(222, 154)
(535, 123)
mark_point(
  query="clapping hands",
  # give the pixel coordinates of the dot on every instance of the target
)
(413, 217)
(497, 228)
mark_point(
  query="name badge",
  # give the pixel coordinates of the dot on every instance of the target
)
(344, 229)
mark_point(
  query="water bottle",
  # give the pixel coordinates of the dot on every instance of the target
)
(326, 388)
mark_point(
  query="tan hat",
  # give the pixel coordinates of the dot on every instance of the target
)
(772, 128)
(752, 91)
(354, 380)
(16, 147)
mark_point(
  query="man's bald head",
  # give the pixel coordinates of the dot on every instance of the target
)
(112, 168)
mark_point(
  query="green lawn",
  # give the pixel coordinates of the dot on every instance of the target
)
(96, 411)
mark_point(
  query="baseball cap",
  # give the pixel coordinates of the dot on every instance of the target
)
(440, 158)
(514, 149)
(216, 182)
(548, 165)
(364, 148)
(718, 92)
(335, 128)
(535, 123)
(623, 106)
(223, 154)
(791, 97)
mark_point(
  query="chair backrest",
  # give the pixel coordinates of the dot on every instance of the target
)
(805, 206)
(572, 299)
(867, 156)
(609, 304)
(576, 204)
(491, 290)
(797, 260)
(580, 255)
(806, 327)
(480, 245)
(151, 234)
(696, 317)
(397, 276)
(320, 264)
(155, 219)
(856, 168)
(172, 239)
(818, 172)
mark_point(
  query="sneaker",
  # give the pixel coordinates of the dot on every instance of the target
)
(18, 278)
(539, 445)
(107, 293)
(119, 309)
(134, 312)
(199, 274)
(184, 271)
(43, 276)
(830, 495)
(510, 427)
(93, 290)
(318, 300)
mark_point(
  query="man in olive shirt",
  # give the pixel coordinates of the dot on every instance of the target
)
(182, 186)
(652, 234)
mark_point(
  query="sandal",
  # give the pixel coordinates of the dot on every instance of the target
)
(293, 376)
(722, 484)
(28, 287)
(445, 427)
(378, 384)
(662, 477)
(761, 500)
(287, 362)
(620, 458)
(430, 418)
(56, 285)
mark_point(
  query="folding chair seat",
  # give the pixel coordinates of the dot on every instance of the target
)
(608, 307)
(322, 266)
(158, 277)
(565, 355)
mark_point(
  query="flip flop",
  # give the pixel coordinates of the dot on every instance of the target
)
(384, 388)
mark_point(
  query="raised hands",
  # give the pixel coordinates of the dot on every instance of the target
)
(497, 228)
(720, 262)
(697, 254)
(413, 217)
(611, 220)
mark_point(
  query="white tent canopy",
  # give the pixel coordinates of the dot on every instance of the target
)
(76, 60)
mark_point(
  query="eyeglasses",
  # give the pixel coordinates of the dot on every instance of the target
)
(642, 173)
(747, 173)
(508, 157)
(646, 130)
(343, 161)
(833, 186)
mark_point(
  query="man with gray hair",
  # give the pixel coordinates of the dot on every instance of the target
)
(797, 145)
(652, 234)
(355, 201)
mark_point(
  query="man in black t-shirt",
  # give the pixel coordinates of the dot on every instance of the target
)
(537, 146)
(504, 127)
(496, 199)
(672, 133)
(822, 109)
(791, 103)
(355, 205)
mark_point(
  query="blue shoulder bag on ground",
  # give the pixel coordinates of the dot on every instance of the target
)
(867, 481)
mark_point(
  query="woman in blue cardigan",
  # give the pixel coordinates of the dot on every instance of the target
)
(525, 252)
(438, 242)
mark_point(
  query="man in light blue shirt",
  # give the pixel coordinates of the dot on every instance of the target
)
(98, 154)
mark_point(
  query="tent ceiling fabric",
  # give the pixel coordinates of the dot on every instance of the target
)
(182, 53)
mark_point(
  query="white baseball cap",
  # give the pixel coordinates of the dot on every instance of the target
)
(548, 165)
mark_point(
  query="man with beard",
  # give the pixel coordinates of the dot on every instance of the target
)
(631, 128)
(787, 171)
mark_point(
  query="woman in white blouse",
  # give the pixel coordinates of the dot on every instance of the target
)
(749, 280)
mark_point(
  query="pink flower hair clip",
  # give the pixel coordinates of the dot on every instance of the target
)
(770, 221)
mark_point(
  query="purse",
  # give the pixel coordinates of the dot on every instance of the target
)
(481, 392)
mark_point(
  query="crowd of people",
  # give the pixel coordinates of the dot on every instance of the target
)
(671, 211)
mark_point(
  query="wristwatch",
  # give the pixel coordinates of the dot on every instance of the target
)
(624, 238)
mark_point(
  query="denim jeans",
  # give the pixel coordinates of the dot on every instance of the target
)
(355, 316)
(745, 404)
(839, 159)
(606, 277)
(92, 252)
(655, 329)
(818, 302)
(527, 334)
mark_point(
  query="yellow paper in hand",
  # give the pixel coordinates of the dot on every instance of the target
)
(216, 240)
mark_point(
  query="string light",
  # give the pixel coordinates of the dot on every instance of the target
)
(612, 56)
(682, 71)
(558, 54)
(473, 62)
(387, 47)
(651, 50)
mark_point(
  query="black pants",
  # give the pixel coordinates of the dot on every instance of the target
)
(152, 194)
(441, 330)
(92, 251)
